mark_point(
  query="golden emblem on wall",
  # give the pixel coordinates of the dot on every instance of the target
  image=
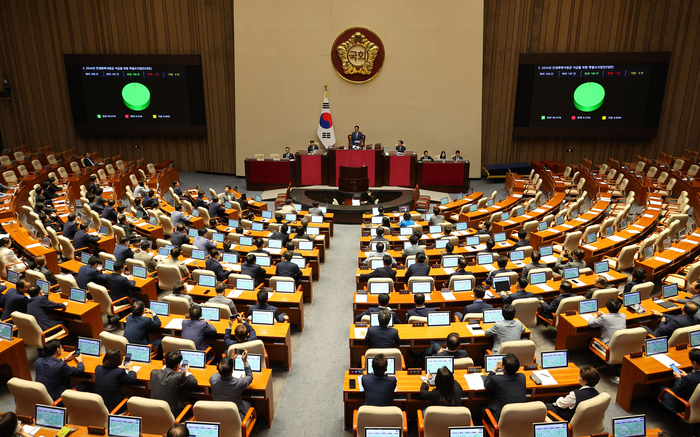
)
(357, 54)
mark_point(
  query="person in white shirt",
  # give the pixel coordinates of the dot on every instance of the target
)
(10, 257)
(288, 208)
(565, 406)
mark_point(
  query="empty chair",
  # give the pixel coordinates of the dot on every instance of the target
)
(516, 419)
(625, 259)
(31, 333)
(684, 278)
(526, 311)
(226, 413)
(85, 409)
(275, 156)
(546, 270)
(644, 289)
(438, 420)
(169, 275)
(10, 177)
(151, 169)
(259, 156)
(36, 164)
(371, 417)
(110, 169)
(571, 241)
(604, 295)
(113, 341)
(668, 190)
(156, 417)
(523, 349)
(110, 308)
(623, 342)
(682, 335)
(19, 156)
(27, 395)
(178, 305)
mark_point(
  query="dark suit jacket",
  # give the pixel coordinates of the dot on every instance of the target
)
(88, 162)
(509, 389)
(477, 306)
(417, 269)
(522, 243)
(434, 397)
(420, 312)
(400, 149)
(520, 294)
(356, 137)
(110, 214)
(254, 271)
(92, 187)
(83, 239)
(278, 317)
(108, 384)
(551, 308)
(382, 337)
(200, 202)
(459, 353)
(178, 238)
(461, 272)
(230, 340)
(629, 286)
(55, 374)
(379, 390)
(168, 385)
(216, 210)
(289, 155)
(11, 301)
(48, 274)
(178, 192)
(288, 269)
(489, 278)
(394, 318)
(215, 266)
(39, 307)
(665, 329)
(381, 272)
(277, 235)
(149, 202)
(120, 287)
(69, 230)
(138, 328)
(122, 252)
(684, 388)
(88, 274)
(197, 330)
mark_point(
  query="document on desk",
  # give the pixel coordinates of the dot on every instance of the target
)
(428, 297)
(475, 330)
(31, 430)
(448, 295)
(189, 287)
(544, 287)
(545, 377)
(489, 267)
(607, 276)
(449, 270)
(675, 249)
(141, 225)
(665, 360)
(589, 247)
(615, 238)
(360, 332)
(517, 196)
(403, 238)
(587, 317)
(435, 236)
(549, 259)
(510, 222)
(238, 374)
(474, 381)
(360, 298)
(663, 260)
(235, 293)
(540, 210)
(633, 231)
(564, 225)
(188, 261)
(578, 282)
(489, 295)
(31, 246)
(638, 226)
(174, 324)
(693, 242)
(647, 216)
(135, 369)
(274, 251)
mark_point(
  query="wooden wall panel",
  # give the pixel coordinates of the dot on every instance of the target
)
(567, 26)
(34, 36)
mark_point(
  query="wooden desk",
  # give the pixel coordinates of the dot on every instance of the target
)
(85, 318)
(639, 373)
(408, 398)
(670, 260)
(515, 223)
(259, 392)
(474, 218)
(419, 338)
(13, 359)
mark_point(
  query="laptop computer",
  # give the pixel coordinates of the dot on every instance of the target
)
(299, 261)
(555, 359)
(123, 426)
(538, 278)
(257, 226)
(472, 241)
(139, 353)
(89, 346)
(195, 359)
(306, 245)
(274, 243)
(406, 232)
(46, 416)
(435, 229)
(44, 286)
(192, 233)
(591, 238)
(601, 267)
(245, 241)
(501, 283)
(263, 317)
(499, 237)
(217, 237)
(439, 318)
(541, 226)
(629, 426)
(461, 226)
(6, 331)
(230, 258)
(587, 306)
(376, 263)
(695, 339)
(517, 257)
(433, 364)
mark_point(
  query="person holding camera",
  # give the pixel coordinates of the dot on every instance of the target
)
(242, 333)
(569, 259)
(226, 387)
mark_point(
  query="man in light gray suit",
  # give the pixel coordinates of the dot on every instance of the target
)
(534, 264)
(505, 330)
(414, 248)
(177, 217)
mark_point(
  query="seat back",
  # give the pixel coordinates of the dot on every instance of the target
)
(652, 172)
(639, 167)
(22, 171)
(85, 409)
(113, 341)
(572, 240)
(29, 329)
(156, 417)
(529, 227)
(10, 177)
(682, 335)
(645, 289)
(678, 164)
(591, 229)
(224, 310)
(275, 279)
(523, 349)
(168, 276)
(27, 395)
(101, 295)
(624, 342)
(566, 304)
(66, 282)
(517, 419)
(225, 413)
(439, 419)
(394, 353)
(589, 417)
(371, 417)
(233, 276)
(604, 295)
(463, 363)
(253, 347)
(259, 156)
(414, 279)
(178, 305)
(547, 270)
(625, 260)
(694, 402)
(526, 310)
(196, 273)
(175, 344)
(460, 277)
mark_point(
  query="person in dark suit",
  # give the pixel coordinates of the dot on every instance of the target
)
(168, 384)
(217, 210)
(457, 156)
(462, 270)
(490, 244)
(522, 234)
(419, 308)
(426, 157)
(119, 286)
(684, 384)
(565, 406)
(213, 264)
(639, 276)
(70, 228)
(99, 204)
(259, 244)
(199, 201)
(549, 309)
(139, 208)
(281, 234)
(227, 388)
(87, 160)
(356, 137)
(669, 323)
(502, 262)
(14, 299)
(287, 268)
(478, 305)
(150, 201)
(383, 336)
(242, 333)
(253, 270)
(509, 388)
(419, 268)
(288, 154)
(39, 307)
(436, 348)
(381, 272)
(486, 229)
(195, 329)
(520, 293)
(89, 273)
(379, 387)
(51, 186)
(400, 147)
(122, 251)
(54, 373)
(312, 146)
(383, 300)
(93, 186)
(534, 263)
(179, 236)
(262, 305)
(447, 391)
(176, 189)
(380, 236)
(83, 239)
(138, 326)
(111, 375)
(109, 212)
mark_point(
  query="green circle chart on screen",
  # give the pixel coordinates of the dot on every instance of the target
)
(589, 96)
(136, 96)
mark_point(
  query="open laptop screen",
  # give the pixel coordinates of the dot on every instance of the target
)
(123, 426)
(555, 359)
(50, 417)
(203, 429)
(433, 364)
(630, 426)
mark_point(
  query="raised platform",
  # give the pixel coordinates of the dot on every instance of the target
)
(391, 200)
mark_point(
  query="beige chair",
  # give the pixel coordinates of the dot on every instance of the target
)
(178, 305)
(523, 349)
(110, 308)
(19, 156)
(105, 256)
(388, 353)
(526, 310)
(691, 274)
(224, 310)
(85, 409)
(253, 347)
(546, 270)
(156, 417)
(624, 260)
(27, 395)
(589, 417)
(691, 414)
(10, 177)
(66, 282)
(259, 156)
(110, 169)
(31, 333)
(113, 341)
(566, 304)
(370, 417)
(460, 278)
(531, 190)
(196, 273)
(604, 295)
(512, 275)
(590, 229)
(439, 419)
(169, 275)
(36, 164)
(682, 335)
(225, 413)
(516, 419)
(176, 343)
(571, 241)
(23, 173)
(371, 281)
(529, 227)
(275, 279)
(644, 289)
(67, 250)
(623, 342)
(414, 279)
(233, 276)
(463, 363)
(5, 160)
(668, 190)
(187, 249)
(275, 156)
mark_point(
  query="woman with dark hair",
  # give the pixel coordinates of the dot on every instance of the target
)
(443, 155)
(386, 222)
(8, 426)
(447, 391)
(111, 375)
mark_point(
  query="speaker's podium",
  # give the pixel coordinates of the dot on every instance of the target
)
(353, 179)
